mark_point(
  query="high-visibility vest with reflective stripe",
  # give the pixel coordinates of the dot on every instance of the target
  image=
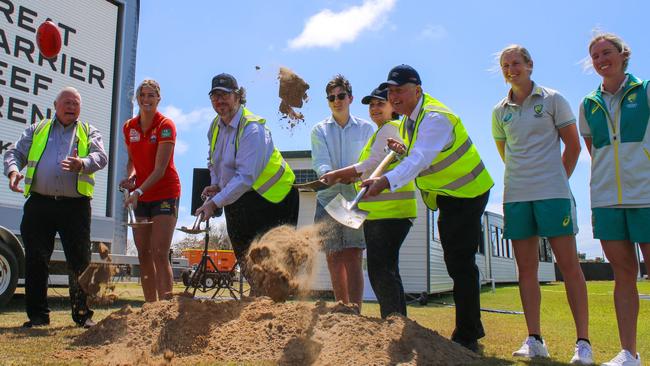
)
(458, 170)
(400, 204)
(276, 178)
(85, 182)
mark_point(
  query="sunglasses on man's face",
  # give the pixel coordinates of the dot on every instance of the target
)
(340, 96)
(219, 96)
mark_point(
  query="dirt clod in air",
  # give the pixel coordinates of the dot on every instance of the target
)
(104, 252)
(293, 92)
(281, 262)
(259, 331)
(96, 280)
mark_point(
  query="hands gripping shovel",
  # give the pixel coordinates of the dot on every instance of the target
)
(131, 215)
(196, 227)
(347, 213)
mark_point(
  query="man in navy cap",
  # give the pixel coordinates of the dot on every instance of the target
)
(449, 172)
(249, 177)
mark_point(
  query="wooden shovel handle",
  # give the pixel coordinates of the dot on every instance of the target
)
(384, 163)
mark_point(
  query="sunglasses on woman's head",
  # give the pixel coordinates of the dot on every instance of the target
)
(340, 96)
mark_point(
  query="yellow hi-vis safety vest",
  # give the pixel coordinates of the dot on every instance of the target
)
(276, 178)
(457, 170)
(400, 204)
(85, 182)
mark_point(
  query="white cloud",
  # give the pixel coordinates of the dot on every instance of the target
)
(330, 29)
(186, 121)
(433, 32)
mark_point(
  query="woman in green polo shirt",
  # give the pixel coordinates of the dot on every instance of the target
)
(528, 125)
(613, 122)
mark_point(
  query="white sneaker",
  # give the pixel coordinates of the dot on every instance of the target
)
(532, 348)
(583, 354)
(624, 358)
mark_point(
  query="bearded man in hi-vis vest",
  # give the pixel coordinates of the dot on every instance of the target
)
(448, 171)
(61, 155)
(249, 178)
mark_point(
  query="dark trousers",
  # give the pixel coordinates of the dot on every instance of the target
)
(252, 216)
(43, 217)
(459, 225)
(384, 239)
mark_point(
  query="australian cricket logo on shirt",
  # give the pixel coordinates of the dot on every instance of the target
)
(538, 108)
(631, 101)
(566, 221)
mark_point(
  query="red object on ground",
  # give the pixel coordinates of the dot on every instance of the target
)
(48, 39)
(224, 259)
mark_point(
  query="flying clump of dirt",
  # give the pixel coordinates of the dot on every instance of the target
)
(258, 331)
(96, 280)
(293, 92)
(281, 262)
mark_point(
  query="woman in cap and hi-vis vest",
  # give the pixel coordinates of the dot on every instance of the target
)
(155, 189)
(528, 125)
(614, 122)
(249, 178)
(390, 213)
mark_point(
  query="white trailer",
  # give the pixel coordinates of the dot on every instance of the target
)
(97, 57)
(422, 265)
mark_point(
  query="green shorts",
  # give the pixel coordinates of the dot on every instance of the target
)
(611, 223)
(548, 218)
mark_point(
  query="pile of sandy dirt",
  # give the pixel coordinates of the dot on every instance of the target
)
(259, 331)
(293, 91)
(96, 280)
(281, 262)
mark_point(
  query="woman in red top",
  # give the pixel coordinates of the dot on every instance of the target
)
(155, 189)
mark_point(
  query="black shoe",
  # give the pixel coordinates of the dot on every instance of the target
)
(36, 323)
(470, 345)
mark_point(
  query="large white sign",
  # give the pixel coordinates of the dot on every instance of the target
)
(29, 83)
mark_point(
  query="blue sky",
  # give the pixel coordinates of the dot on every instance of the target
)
(452, 45)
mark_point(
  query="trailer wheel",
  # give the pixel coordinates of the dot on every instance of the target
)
(186, 276)
(8, 273)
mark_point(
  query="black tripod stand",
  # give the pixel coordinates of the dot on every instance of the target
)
(208, 275)
(206, 278)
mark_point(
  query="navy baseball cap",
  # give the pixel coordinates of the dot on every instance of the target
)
(224, 82)
(400, 75)
(377, 93)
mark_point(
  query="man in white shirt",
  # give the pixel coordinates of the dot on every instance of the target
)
(451, 176)
(336, 143)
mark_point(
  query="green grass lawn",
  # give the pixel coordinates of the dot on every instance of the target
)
(505, 332)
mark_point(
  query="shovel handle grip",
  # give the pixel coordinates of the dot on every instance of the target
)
(378, 171)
